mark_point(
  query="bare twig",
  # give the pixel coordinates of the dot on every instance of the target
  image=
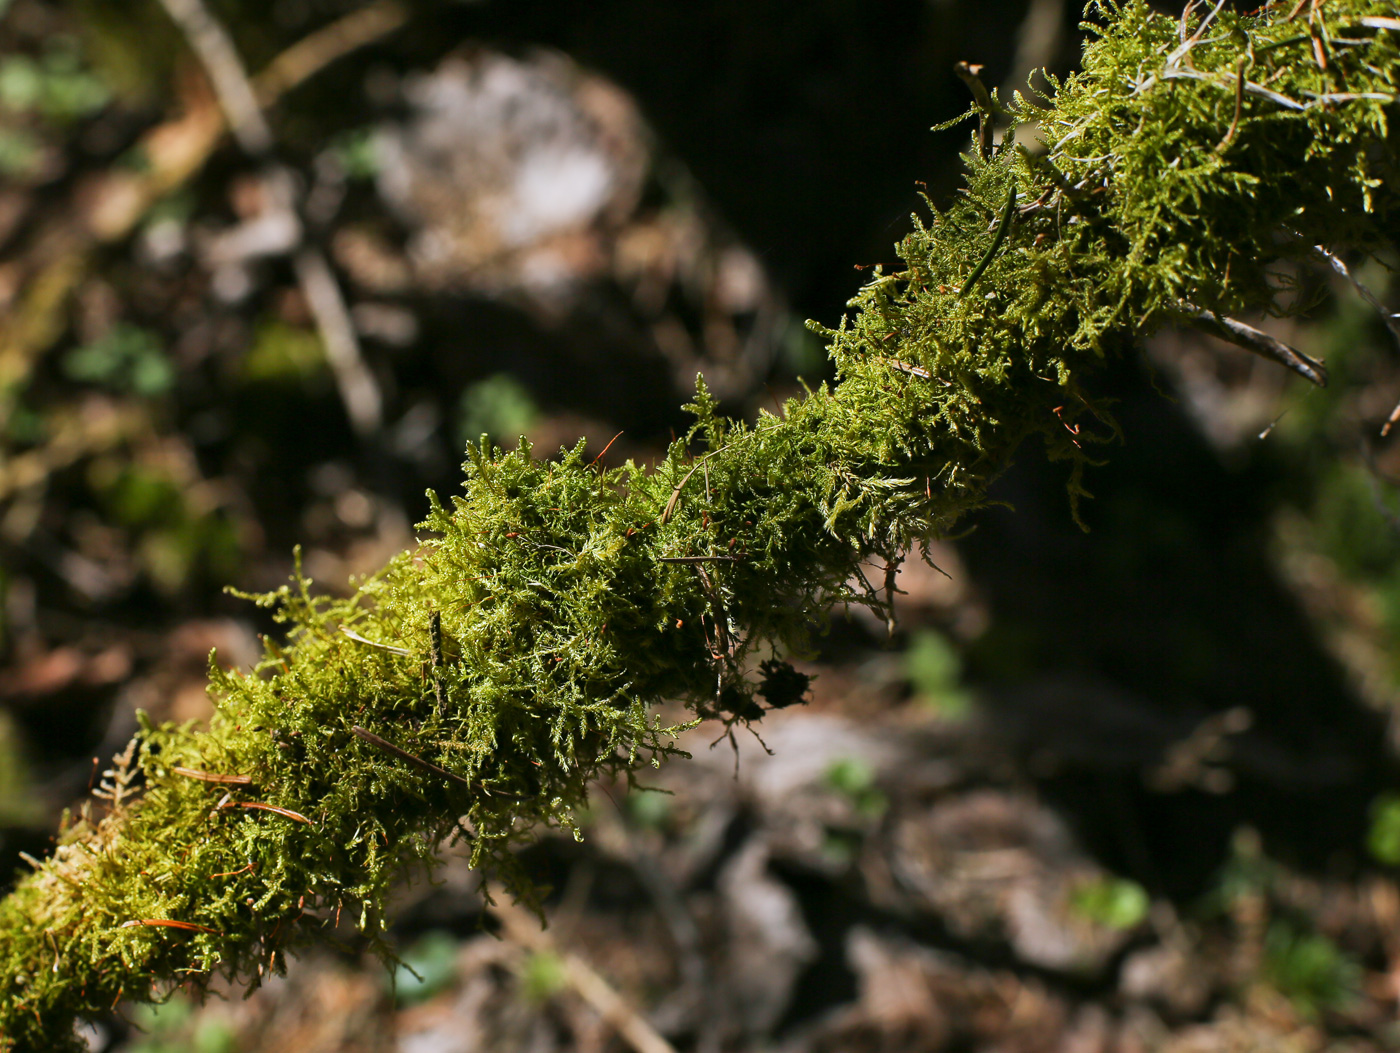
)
(1249, 86)
(359, 391)
(317, 50)
(1195, 38)
(239, 100)
(260, 807)
(435, 654)
(1392, 320)
(523, 928)
(907, 367)
(1258, 342)
(209, 776)
(217, 53)
(1239, 106)
(968, 73)
(403, 755)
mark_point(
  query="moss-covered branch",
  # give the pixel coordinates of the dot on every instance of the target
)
(524, 647)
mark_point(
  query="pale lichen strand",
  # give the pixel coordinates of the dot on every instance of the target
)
(573, 599)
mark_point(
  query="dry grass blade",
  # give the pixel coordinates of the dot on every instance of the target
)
(166, 923)
(259, 806)
(208, 776)
(404, 755)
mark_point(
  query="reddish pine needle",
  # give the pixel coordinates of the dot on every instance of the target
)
(267, 808)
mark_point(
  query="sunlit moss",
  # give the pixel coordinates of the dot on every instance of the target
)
(521, 651)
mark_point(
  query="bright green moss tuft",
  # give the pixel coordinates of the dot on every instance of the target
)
(474, 687)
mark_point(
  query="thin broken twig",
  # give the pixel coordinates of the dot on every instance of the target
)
(373, 643)
(238, 98)
(435, 655)
(1258, 342)
(319, 49)
(403, 755)
(523, 928)
(208, 776)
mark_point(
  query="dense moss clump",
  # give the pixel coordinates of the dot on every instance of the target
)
(474, 687)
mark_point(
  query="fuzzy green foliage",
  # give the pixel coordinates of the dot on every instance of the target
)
(475, 687)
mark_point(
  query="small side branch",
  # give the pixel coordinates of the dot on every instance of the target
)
(1002, 227)
(435, 654)
(1258, 342)
(1391, 319)
(321, 48)
(968, 73)
(403, 755)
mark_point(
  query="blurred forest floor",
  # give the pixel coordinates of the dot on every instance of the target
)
(1134, 790)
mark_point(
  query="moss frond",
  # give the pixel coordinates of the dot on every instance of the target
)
(475, 686)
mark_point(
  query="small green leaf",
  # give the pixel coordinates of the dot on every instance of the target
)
(543, 976)
(1383, 839)
(1114, 902)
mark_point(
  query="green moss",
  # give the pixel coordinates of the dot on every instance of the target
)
(934, 669)
(573, 599)
(499, 406)
(1115, 902)
(1309, 969)
(128, 358)
(283, 354)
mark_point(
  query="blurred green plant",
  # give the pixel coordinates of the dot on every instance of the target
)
(55, 85)
(282, 353)
(840, 848)
(1247, 873)
(127, 358)
(25, 425)
(649, 809)
(1383, 837)
(854, 779)
(499, 406)
(542, 976)
(802, 351)
(426, 967)
(1115, 902)
(935, 671)
(176, 540)
(357, 153)
(21, 152)
(173, 1027)
(1309, 969)
(19, 806)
